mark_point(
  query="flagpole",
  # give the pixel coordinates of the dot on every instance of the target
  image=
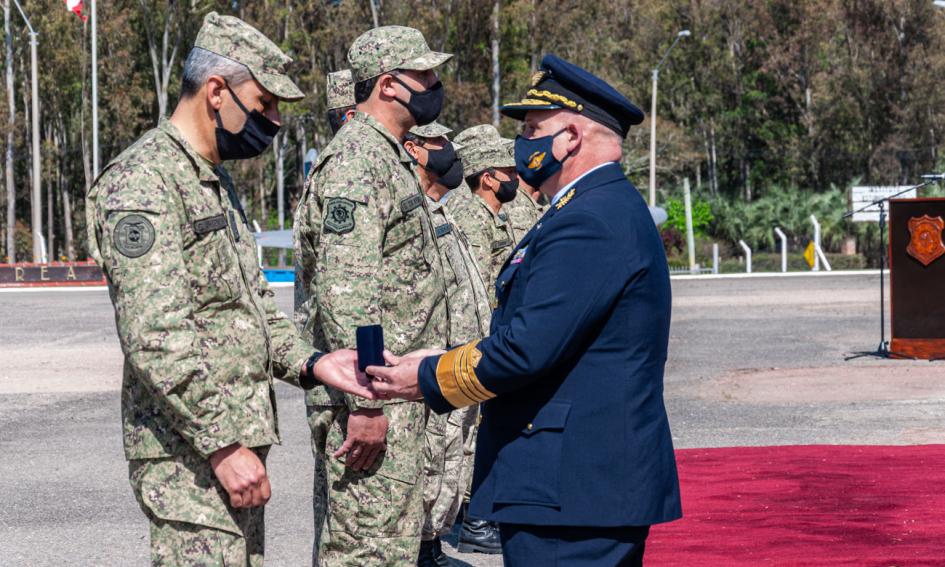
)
(37, 157)
(94, 92)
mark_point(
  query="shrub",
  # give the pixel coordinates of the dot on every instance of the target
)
(701, 215)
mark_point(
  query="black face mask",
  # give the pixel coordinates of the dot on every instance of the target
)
(453, 176)
(252, 140)
(424, 106)
(445, 165)
(441, 161)
(507, 190)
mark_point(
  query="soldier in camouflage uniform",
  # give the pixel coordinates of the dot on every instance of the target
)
(340, 89)
(525, 210)
(489, 169)
(448, 465)
(340, 95)
(198, 327)
(366, 254)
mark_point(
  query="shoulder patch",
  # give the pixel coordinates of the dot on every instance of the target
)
(339, 215)
(410, 203)
(134, 236)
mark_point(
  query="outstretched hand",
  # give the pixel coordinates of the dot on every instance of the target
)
(339, 370)
(394, 360)
(399, 380)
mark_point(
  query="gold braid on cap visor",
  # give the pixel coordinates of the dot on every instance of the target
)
(548, 95)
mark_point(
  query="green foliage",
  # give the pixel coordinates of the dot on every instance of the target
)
(701, 215)
(787, 208)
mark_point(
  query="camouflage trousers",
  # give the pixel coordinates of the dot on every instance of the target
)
(192, 522)
(371, 517)
(469, 449)
(450, 442)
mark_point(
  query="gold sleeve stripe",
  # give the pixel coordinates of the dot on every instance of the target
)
(462, 371)
(460, 367)
(445, 378)
(468, 376)
(456, 376)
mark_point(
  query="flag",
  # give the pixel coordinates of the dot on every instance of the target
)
(76, 7)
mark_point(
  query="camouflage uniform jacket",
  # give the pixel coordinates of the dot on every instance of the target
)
(201, 335)
(490, 237)
(466, 297)
(365, 251)
(523, 214)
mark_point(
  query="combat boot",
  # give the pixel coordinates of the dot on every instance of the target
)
(480, 536)
(431, 555)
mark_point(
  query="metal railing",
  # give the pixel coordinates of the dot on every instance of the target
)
(677, 269)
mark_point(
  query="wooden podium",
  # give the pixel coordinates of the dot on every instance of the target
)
(917, 277)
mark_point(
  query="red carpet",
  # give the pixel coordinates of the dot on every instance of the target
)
(809, 505)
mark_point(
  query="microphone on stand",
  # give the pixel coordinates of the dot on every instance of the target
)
(934, 176)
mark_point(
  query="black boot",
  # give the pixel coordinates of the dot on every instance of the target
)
(431, 555)
(441, 559)
(480, 536)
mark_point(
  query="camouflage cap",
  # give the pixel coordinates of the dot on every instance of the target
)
(236, 40)
(387, 48)
(340, 89)
(431, 130)
(482, 148)
(434, 130)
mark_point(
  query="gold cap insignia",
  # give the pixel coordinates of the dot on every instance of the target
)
(538, 77)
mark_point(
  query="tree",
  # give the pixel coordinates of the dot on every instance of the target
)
(780, 102)
(162, 39)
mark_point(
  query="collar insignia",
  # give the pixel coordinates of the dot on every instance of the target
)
(564, 200)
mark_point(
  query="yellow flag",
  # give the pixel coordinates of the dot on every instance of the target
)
(809, 254)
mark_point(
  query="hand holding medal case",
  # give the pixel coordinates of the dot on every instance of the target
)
(370, 346)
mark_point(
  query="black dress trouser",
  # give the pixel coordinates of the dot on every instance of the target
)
(562, 546)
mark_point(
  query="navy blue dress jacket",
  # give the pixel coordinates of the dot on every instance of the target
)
(574, 431)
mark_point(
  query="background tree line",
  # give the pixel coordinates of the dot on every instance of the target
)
(771, 107)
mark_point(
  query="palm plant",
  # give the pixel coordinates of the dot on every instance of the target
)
(786, 207)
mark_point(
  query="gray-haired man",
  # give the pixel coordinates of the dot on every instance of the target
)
(201, 335)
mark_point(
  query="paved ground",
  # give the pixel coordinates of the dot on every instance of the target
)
(752, 362)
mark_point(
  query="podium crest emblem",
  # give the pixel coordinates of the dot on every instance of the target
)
(926, 243)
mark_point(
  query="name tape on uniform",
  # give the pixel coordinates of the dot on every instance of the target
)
(208, 225)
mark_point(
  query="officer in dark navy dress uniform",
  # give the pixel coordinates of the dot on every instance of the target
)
(575, 458)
